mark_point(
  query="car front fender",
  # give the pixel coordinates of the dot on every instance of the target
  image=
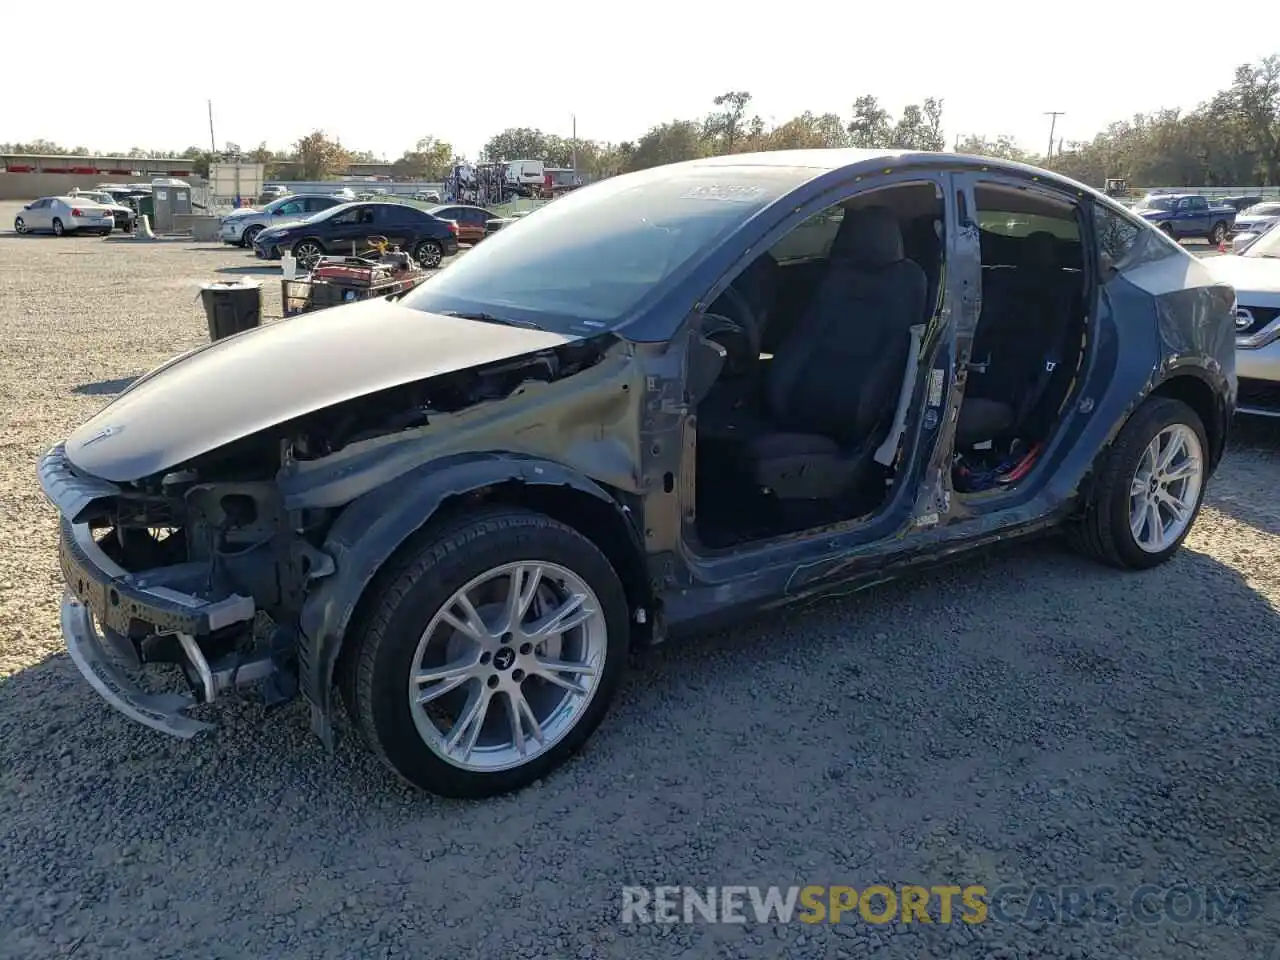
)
(373, 527)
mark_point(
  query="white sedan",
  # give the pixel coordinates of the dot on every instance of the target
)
(62, 215)
(1255, 275)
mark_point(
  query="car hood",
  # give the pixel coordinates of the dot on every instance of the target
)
(242, 213)
(1247, 274)
(227, 390)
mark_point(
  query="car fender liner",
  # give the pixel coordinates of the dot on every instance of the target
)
(373, 527)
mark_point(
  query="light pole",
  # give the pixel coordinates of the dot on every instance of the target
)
(574, 118)
(1053, 125)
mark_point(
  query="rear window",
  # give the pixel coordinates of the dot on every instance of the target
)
(592, 259)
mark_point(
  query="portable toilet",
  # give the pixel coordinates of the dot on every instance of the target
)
(172, 198)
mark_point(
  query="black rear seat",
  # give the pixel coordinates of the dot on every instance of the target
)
(1026, 312)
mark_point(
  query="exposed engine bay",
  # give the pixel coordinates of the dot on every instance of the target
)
(214, 533)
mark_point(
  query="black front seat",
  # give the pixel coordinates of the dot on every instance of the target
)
(833, 384)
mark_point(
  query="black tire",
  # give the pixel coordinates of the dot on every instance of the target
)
(246, 238)
(58, 229)
(305, 259)
(377, 660)
(429, 253)
(1103, 531)
(1218, 233)
(19, 225)
(1168, 228)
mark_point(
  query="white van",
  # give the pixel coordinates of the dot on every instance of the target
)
(526, 173)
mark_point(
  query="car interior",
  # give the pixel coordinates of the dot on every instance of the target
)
(805, 367)
(816, 342)
(1028, 348)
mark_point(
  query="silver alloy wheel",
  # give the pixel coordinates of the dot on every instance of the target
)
(19, 225)
(1165, 488)
(429, 253)
(308, 252)
(507, 666)
(58, 229)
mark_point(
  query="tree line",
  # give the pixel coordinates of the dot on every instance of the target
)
(1233, 138)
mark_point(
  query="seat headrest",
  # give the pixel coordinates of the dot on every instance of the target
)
(869, 236)
(1040, 251)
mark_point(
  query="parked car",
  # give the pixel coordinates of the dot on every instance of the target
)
(273, 191)
(1257, 218)
(1255, 275)
(495, 224)
(1241, 242)
(349, 228)
(645, 411)
(427, 196)
(1187, 216)
(124, 215)
(470, 220)
(241, 226)
(1239, 203)
(63, 215)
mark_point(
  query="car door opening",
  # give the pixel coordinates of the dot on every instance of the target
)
(1029, 346)
(813, 353)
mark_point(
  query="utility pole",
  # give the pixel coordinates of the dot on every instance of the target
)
(213, 144)
(574, 118)
(1053, 125)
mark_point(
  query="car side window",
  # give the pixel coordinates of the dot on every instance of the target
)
(1116, 235)
(352, 216)
(1198, 203)
(812, 239)
(1123, 244)
(290, 209)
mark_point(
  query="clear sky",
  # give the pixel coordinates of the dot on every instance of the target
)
(380, 80)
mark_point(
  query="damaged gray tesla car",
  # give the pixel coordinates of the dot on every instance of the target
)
(666, 399)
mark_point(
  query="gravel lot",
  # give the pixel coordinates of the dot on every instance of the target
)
(1024, 718)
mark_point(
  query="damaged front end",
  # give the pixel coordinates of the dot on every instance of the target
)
(179, 569)
(208, 563)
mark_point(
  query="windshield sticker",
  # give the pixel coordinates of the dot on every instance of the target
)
(728, 192)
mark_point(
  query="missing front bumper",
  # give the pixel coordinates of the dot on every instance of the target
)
(105, 659)
(99, 661)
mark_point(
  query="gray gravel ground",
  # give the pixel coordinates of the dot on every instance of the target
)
(1026, 718)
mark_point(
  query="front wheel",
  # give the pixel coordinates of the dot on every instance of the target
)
(19, 225)
(307, 253)
(1168, 228)
(1218, 233)
(429, 253)
(246, 238)
(488, 655)
(1149, 488)
(58, 229)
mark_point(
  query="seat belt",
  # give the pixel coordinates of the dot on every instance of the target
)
(1031, 399)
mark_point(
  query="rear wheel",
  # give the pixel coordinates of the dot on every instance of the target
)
(1168, 228)
(1218, 233)
(58, 229)
(429, 253)
(1149, 488)
(488, 655)
(307, 253)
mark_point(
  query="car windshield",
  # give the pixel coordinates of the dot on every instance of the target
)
(1267, 245)
(1263, 210)
(592, 259)
(1154, 203)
